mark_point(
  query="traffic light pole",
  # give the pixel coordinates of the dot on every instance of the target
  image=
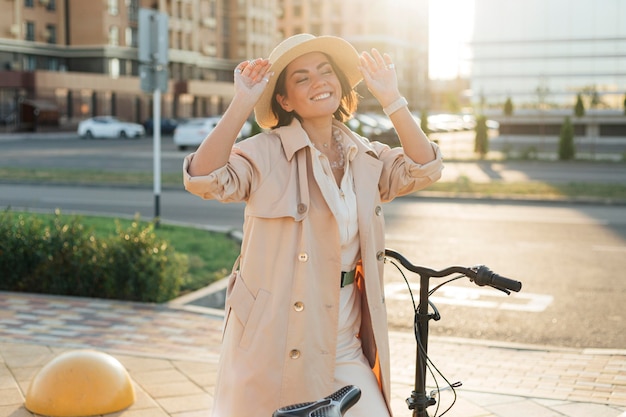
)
(153, 57)
(156, 137)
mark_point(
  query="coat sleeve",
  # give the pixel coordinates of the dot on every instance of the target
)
(249, 162)
(401, 175)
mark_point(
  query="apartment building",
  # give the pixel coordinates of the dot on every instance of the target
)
(78, 58)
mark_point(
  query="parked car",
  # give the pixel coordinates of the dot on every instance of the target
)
(193, 131)
(168, 125)
(109, 127)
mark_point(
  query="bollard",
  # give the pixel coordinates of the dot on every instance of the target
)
(80, 383)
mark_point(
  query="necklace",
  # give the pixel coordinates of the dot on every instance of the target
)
(337, 147)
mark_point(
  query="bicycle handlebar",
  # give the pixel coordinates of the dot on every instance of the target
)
(480, 275)
(485, 276)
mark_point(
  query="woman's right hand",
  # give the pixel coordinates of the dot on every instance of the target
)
(251, 78)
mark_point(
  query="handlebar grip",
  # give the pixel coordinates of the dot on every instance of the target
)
(485, 276)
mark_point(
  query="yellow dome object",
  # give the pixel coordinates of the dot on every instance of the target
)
(80, 383)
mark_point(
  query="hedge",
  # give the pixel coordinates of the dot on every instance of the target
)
(61, 256)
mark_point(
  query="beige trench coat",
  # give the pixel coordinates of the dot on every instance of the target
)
(281, 313)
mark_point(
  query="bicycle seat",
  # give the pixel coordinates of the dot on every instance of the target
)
(335, 405)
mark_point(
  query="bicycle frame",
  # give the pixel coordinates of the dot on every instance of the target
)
(419, 400)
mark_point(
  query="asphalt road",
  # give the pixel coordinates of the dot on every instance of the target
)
(570, 257)
(136, 155)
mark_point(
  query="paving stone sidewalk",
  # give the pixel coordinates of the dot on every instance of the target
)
(171, 355)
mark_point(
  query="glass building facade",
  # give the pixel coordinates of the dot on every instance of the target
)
(543, 53)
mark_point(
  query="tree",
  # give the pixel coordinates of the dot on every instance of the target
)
(625, 104)
(255, 129)
(481, 144)
(424, 122)
(508, 107)
(579, 108)
(567, 149)
(452, 102)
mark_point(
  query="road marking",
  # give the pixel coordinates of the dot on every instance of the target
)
(600, 248)
(474, 297)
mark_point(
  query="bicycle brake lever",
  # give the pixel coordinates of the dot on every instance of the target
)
(507, 292)
(449, 387)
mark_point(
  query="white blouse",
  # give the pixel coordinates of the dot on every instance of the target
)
(341, 200)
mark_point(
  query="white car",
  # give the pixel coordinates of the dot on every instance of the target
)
(109, 127)
(193, 131)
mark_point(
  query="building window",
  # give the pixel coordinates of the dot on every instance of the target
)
(114, 68)
(114, 36)
(52, 5)
(51, 34)
(132, 9)
(29, 3)
(53, 64)
(131, 37)
(113, 9)
(31, 63)
(30, 31)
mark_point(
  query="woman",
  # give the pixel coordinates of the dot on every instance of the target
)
(305, 311)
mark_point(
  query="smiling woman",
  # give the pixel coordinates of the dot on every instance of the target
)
(451, 23)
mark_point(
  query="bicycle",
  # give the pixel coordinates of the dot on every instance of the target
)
(336, 404)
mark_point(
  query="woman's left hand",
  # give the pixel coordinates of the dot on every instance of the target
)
(380, 77)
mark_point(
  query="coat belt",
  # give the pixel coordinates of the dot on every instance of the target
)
(347, 277)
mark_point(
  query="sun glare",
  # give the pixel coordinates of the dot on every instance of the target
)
(450, 29)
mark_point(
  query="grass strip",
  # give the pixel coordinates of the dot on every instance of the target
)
(211, 254)
(89, 177)
(532, 189)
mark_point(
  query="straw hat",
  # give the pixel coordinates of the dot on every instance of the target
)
(343, 54)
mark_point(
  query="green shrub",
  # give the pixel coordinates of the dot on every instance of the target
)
(579, 107)
(256, 129)
(140, 266)
(481, 142)
(61, 256)
(424, 122)
(508, 107)
(20, 249)
(567, 149)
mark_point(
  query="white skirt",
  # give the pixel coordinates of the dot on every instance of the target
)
(352, 367)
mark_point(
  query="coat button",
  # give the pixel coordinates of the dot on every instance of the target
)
(303, 257)
(298, 306)
(380, 256)
(301, 208)
(294, 354)
(378, 210)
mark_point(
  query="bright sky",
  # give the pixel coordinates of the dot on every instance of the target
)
(451, 24)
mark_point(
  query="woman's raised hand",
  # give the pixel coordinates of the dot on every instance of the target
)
(380, 77)
(251, 78)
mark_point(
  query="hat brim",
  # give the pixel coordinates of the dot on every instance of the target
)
(342, 53)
